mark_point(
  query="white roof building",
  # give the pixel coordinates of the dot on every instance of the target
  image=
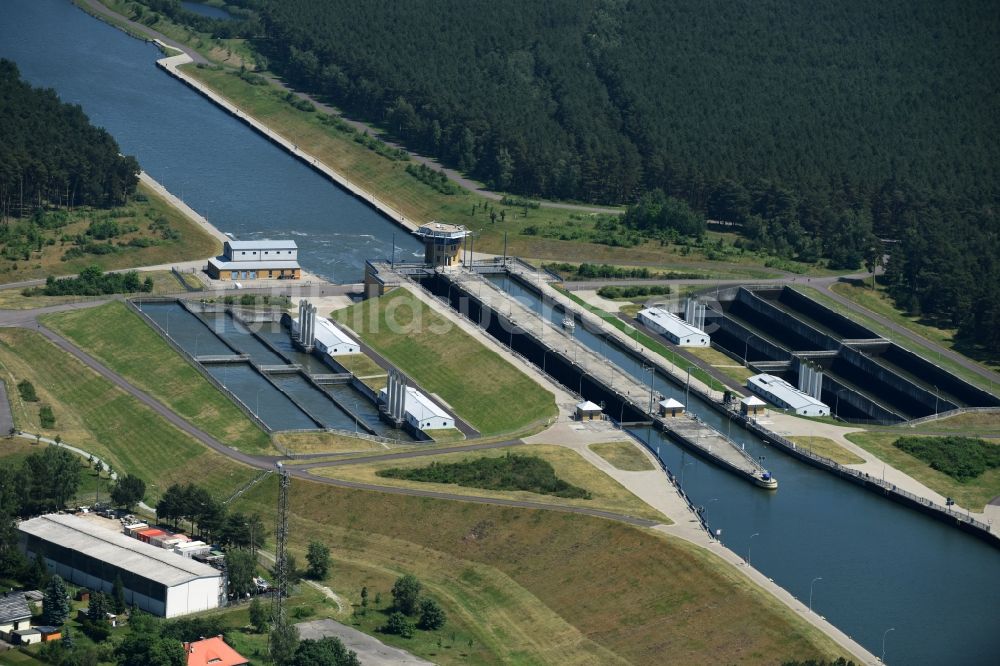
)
(780, 393)
(421, 412)
(674, 328)
(330, 339)
(156, 580)
(670, 405)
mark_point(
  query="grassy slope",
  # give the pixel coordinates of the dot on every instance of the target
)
(568, 464)
(826, 447)
(545, 587)
(623, 455)
(96, 416)
(722, 363)
(195, 242)
(123, 341)
(972, 494)
(482, 387)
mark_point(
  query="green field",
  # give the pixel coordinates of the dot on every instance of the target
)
(123, 341)
(826, 447)
(164, 282)
(625, 456)
(193, 241)
(973, 494)
(483, 388)
(96, 416)
(524, 581)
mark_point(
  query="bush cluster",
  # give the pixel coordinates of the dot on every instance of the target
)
(962, 458)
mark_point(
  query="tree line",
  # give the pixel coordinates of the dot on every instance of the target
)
(50, 154)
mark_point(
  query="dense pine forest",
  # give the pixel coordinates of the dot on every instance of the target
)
(820, 130)
(50, 154)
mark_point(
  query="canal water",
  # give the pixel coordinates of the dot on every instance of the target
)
(882, 566)
(223, 169)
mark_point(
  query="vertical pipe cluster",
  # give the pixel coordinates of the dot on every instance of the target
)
(307, 324)
(810, 379)
(395, 395)
(694, 313)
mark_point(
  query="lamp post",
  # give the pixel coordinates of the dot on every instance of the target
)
(652, 370)
(884, 634)
(544, 358)
(687, 387)
(836, 407)
(811, 591)
(746, 348)
(749, 543)
(257, 412)
(355, 417)
(691, 462)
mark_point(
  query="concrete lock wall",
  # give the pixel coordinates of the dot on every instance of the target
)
(779, 324)
(900, 393)
(838, 323)
(735, 337)
(845, 401)
(937, 376)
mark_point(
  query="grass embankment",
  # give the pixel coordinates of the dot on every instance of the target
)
(928, 354)
(826, 447)
(606, 493)
(94, 415)
(973, 494)
(878, 301)
(164, 282)
(724, 364)
(324, 442)
(545, 587)
(173, 237)
(121, 340)
(623, 455)
(643, 339)
(482, 387)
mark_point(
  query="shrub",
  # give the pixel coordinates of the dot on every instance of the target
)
(962, 458)
(27, 391)
(398, 624)
(45, 417)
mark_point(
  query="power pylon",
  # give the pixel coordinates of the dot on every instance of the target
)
(278, 618)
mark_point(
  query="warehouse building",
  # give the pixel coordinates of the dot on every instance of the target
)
(420, 411)
(256, 260)
(674, 328)
(780, 393)
(329, 338)
(156, 580)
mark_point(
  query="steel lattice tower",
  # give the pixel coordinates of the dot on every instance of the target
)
(278, 618)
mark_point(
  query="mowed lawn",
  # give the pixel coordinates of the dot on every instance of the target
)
(485, 390)
(120, 339)
(546, 587)
(93, 414)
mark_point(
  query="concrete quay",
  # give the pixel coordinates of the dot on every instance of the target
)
(624, 393)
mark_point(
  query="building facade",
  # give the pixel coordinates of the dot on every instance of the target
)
(781, 394)
(156, 580)
(674, 328)
(256, 260)
(442, 242)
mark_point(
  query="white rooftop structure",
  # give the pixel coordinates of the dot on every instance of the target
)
(257, 245)
(674, 328)
(421, 412)
(782, 394)
(156, 580)
(588, 406)
(753, 401)
(442, 230)
(330, 338)
(670, 403)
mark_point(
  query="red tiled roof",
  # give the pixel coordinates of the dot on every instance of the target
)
(212, 652)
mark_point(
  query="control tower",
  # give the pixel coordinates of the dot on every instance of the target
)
(442, 242)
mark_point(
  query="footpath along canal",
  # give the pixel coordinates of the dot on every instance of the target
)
(882, 566)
